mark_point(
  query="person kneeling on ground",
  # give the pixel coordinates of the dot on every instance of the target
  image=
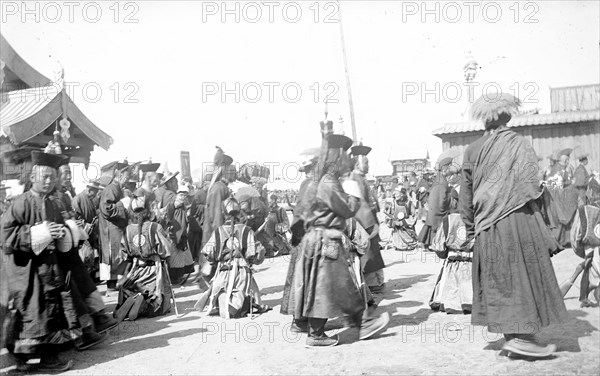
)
(231, 251)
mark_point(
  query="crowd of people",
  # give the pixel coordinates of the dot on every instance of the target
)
(141, 232)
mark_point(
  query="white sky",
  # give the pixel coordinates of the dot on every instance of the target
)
(171, 52)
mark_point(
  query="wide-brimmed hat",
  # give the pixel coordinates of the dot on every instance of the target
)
(579, 153)
(94, 184)
(339, 141)
(360, 149)
(168, 176)
(565, 151)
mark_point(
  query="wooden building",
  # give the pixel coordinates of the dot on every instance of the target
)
(404, 163)
(574, 120)
(32, 107)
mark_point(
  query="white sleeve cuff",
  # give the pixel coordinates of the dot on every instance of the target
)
(40, 237)
(352, 188)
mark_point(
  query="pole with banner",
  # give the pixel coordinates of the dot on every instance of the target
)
(186, 171)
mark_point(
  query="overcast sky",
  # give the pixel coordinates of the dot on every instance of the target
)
(173, 58)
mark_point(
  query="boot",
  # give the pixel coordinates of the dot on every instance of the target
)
(89, 339)
(103, 322)
(525, 345)
(52, 364)
(371, 326)
(299, 326)
(316, 334)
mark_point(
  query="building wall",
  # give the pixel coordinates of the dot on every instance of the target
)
(406, 166)
(546, 139)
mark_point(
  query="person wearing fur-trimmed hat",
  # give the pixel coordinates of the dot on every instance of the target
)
(505, 229)
(33, 232)
(372, 262)
(327, 283)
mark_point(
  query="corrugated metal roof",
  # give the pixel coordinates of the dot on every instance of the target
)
(523, 121)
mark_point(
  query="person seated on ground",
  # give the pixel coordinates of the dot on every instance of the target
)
(181, 261)
(231, 251)
(144, 290)
(277, 227)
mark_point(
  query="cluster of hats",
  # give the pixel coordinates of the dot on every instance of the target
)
(577, 152)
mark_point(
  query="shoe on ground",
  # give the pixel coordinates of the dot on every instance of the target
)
(135, 308)
(322, 341)
(261, 308)
(370, 327)
(299, 327)
(89, 339)
(528, 348)
(586, 303)
(103, 322)
(52, 364)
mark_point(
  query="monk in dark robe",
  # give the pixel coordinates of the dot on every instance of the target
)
(112, 222)
(217, 193)
(83, 203)
(515, 291)
(86, 210)
(439, 204)
(325, 283)
(581, 179)
(32, 234)
(181, 262)
(166, 191)
(300, 215)
(372, 262)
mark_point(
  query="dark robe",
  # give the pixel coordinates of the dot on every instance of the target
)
(164, 196)
(35, 282)
(213, 214)
(112, 222)
(301, 212)
(181, 261)
(84, 207)
(325, 285)
(195, 228)
(439, 204)
(367, 217)
(514, 284)
(581, 180)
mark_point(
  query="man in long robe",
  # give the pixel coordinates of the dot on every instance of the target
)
(372, 262)
(112, 222)
(300, 215)
(217, 193)
(581, 179)
(32, 233)
(515, 291)
(324, 282)
(86, 210)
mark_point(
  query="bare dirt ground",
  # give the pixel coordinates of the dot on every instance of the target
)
(417, 341)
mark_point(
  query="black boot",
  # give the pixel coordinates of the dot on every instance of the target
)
(316, 334)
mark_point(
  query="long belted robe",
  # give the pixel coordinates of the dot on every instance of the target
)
(325, 284)
(112, 222)
(367, 217)
(35, 282)
(301, 211)
(213, 214)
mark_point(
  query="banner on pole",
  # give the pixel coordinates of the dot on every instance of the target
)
(186, 171)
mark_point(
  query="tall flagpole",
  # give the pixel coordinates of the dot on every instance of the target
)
(354, 137)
